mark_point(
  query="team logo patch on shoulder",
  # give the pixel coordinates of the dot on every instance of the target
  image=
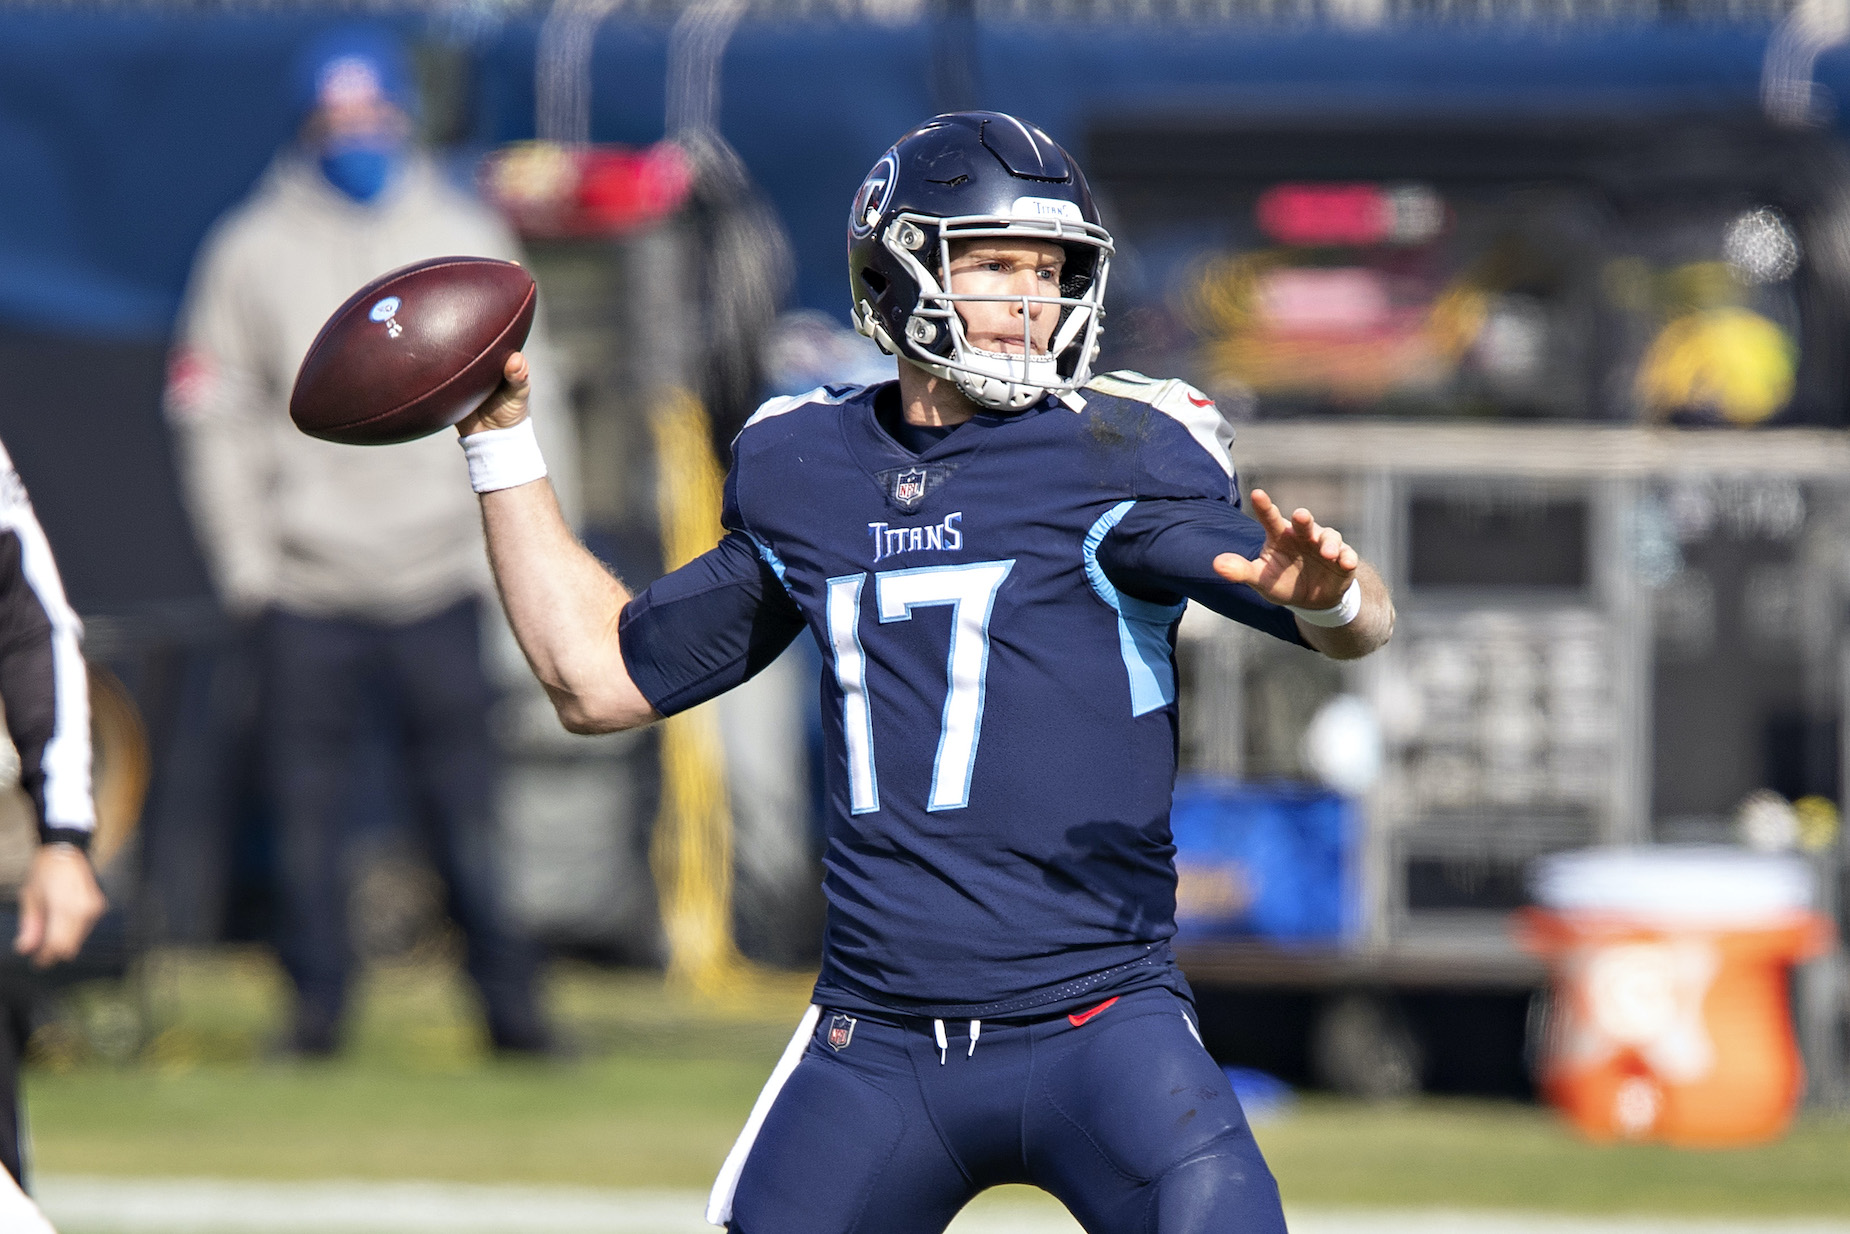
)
(841, 1031)
(1124, 384)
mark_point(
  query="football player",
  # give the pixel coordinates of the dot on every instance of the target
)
(993, 553)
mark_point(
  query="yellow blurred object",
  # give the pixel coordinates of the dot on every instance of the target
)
(1698, 285)
(1818, 823)
(1729, 360)
(1456, 319)
(691, 855)
(121, 766)
(532, 174)
(120, 771)
(1225, 294)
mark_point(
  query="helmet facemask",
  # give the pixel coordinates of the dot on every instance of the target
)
(935, 335)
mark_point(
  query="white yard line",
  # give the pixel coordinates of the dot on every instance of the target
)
(1443, 1222)
(212, 1206)
(83, 1205)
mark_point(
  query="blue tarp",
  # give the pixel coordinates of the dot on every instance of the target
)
(1277, 861)
(123, 135)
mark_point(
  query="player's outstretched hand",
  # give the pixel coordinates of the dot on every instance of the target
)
(58, 904)
(507, 406)
(1303, 563)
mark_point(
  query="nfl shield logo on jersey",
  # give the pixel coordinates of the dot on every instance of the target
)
(841, 1032)
(906, 487)
(909, 486)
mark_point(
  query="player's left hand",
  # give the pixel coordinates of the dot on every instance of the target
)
(1303, 563)
(58, 905)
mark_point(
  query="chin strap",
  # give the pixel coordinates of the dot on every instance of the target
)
(991, 379)
(998, 381)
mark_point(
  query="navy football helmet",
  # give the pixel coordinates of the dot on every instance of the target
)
(964, 176)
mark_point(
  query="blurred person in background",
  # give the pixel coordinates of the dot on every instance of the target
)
(360, 572)
(45, 693)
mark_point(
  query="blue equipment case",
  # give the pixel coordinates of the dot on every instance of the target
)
(1274, 862)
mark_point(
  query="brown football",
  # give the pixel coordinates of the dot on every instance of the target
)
(413, 351)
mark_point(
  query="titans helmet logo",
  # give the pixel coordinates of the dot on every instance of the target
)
(875, 192)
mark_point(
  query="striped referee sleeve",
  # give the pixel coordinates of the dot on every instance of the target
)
(43, 686)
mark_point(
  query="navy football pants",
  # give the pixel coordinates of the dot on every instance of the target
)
(1124, 1117)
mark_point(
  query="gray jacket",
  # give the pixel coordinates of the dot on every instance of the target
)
(389, 534)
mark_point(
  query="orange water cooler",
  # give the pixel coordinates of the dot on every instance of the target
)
(1669, 1019)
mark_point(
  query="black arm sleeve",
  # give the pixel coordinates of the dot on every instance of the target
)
(1164, 550)
(711, 625)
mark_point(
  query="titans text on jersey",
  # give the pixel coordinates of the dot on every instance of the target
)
(943, 536)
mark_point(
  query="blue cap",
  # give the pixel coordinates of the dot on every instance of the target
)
(352, 58)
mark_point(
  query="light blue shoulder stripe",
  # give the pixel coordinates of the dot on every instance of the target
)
(1143, 627)
(770, 558)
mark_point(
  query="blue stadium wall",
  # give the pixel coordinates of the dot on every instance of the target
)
(123, 135)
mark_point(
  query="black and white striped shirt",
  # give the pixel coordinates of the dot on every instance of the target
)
(43, 685)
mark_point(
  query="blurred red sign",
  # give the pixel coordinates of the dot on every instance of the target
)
(553, 190)
(1349, 214)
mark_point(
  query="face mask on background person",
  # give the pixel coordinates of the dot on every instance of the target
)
(361, 167)
(355, 89)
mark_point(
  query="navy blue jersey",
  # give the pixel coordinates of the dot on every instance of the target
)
(998, 615)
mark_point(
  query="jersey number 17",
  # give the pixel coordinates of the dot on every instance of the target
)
(970, 590)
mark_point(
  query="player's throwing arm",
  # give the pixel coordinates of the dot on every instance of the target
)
(436, 344)
(563, 605)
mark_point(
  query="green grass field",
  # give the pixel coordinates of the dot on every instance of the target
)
(662, 1084)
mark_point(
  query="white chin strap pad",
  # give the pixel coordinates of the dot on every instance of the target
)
(1002, 381)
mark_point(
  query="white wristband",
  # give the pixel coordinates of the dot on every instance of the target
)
(1341, 613)
(503, 457)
